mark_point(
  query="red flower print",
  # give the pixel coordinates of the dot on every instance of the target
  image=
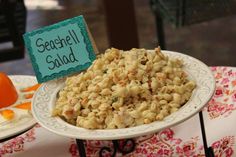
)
(225, 81)
(153, 140)
(230, 73)
(234, 97)
(176, 141)
(164, 152)
(18, 147)
(229, 152)
(167, 134)
(144, 151)
(97, 143)
(224, 147)
(186, 148)
(216, 144)
(189, 148)
(216, 109)
(7, 148)
(138, 150)
(141, 150)
(221, 108)
(211, 106)
(227, 91)
(18, 144)
(218, 92)
(73, 150)
(30, 135)
(224, 69)
(213, 68)
(225, 143)
(179, 150)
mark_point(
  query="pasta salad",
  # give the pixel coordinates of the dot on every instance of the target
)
(124, 89)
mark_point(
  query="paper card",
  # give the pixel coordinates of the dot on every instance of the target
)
(60, 49)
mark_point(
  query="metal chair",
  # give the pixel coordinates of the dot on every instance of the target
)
(187, 12)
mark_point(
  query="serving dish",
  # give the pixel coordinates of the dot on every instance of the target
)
(45, 97)
(22, 124)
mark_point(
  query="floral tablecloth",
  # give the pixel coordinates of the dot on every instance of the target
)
(183, 140)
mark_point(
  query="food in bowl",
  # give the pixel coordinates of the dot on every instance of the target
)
(124, 89)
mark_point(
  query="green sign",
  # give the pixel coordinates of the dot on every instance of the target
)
(60, 49)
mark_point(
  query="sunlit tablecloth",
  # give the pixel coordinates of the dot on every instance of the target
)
(182, 140)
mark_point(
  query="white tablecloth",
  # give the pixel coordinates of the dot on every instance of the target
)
(183, 140)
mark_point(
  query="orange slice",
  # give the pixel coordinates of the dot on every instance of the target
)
(28, 96)
(31, 88)
(8, 93)
(7, 114)
(24, 106)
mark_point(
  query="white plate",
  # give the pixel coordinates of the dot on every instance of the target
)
(44, 100)
(22, 124)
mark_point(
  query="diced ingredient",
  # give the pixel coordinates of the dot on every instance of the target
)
(24, 106)
(31, 88)
(7, 114)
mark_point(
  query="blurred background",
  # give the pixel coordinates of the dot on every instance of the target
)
(204, 29)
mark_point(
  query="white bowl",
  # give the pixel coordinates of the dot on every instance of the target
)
(44, 101)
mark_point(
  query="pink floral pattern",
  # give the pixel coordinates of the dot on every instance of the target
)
(164, 144)
(161, 144)
(225, 93)
(73, 149)
(168, 142)
(17, 144)
(224, 147)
